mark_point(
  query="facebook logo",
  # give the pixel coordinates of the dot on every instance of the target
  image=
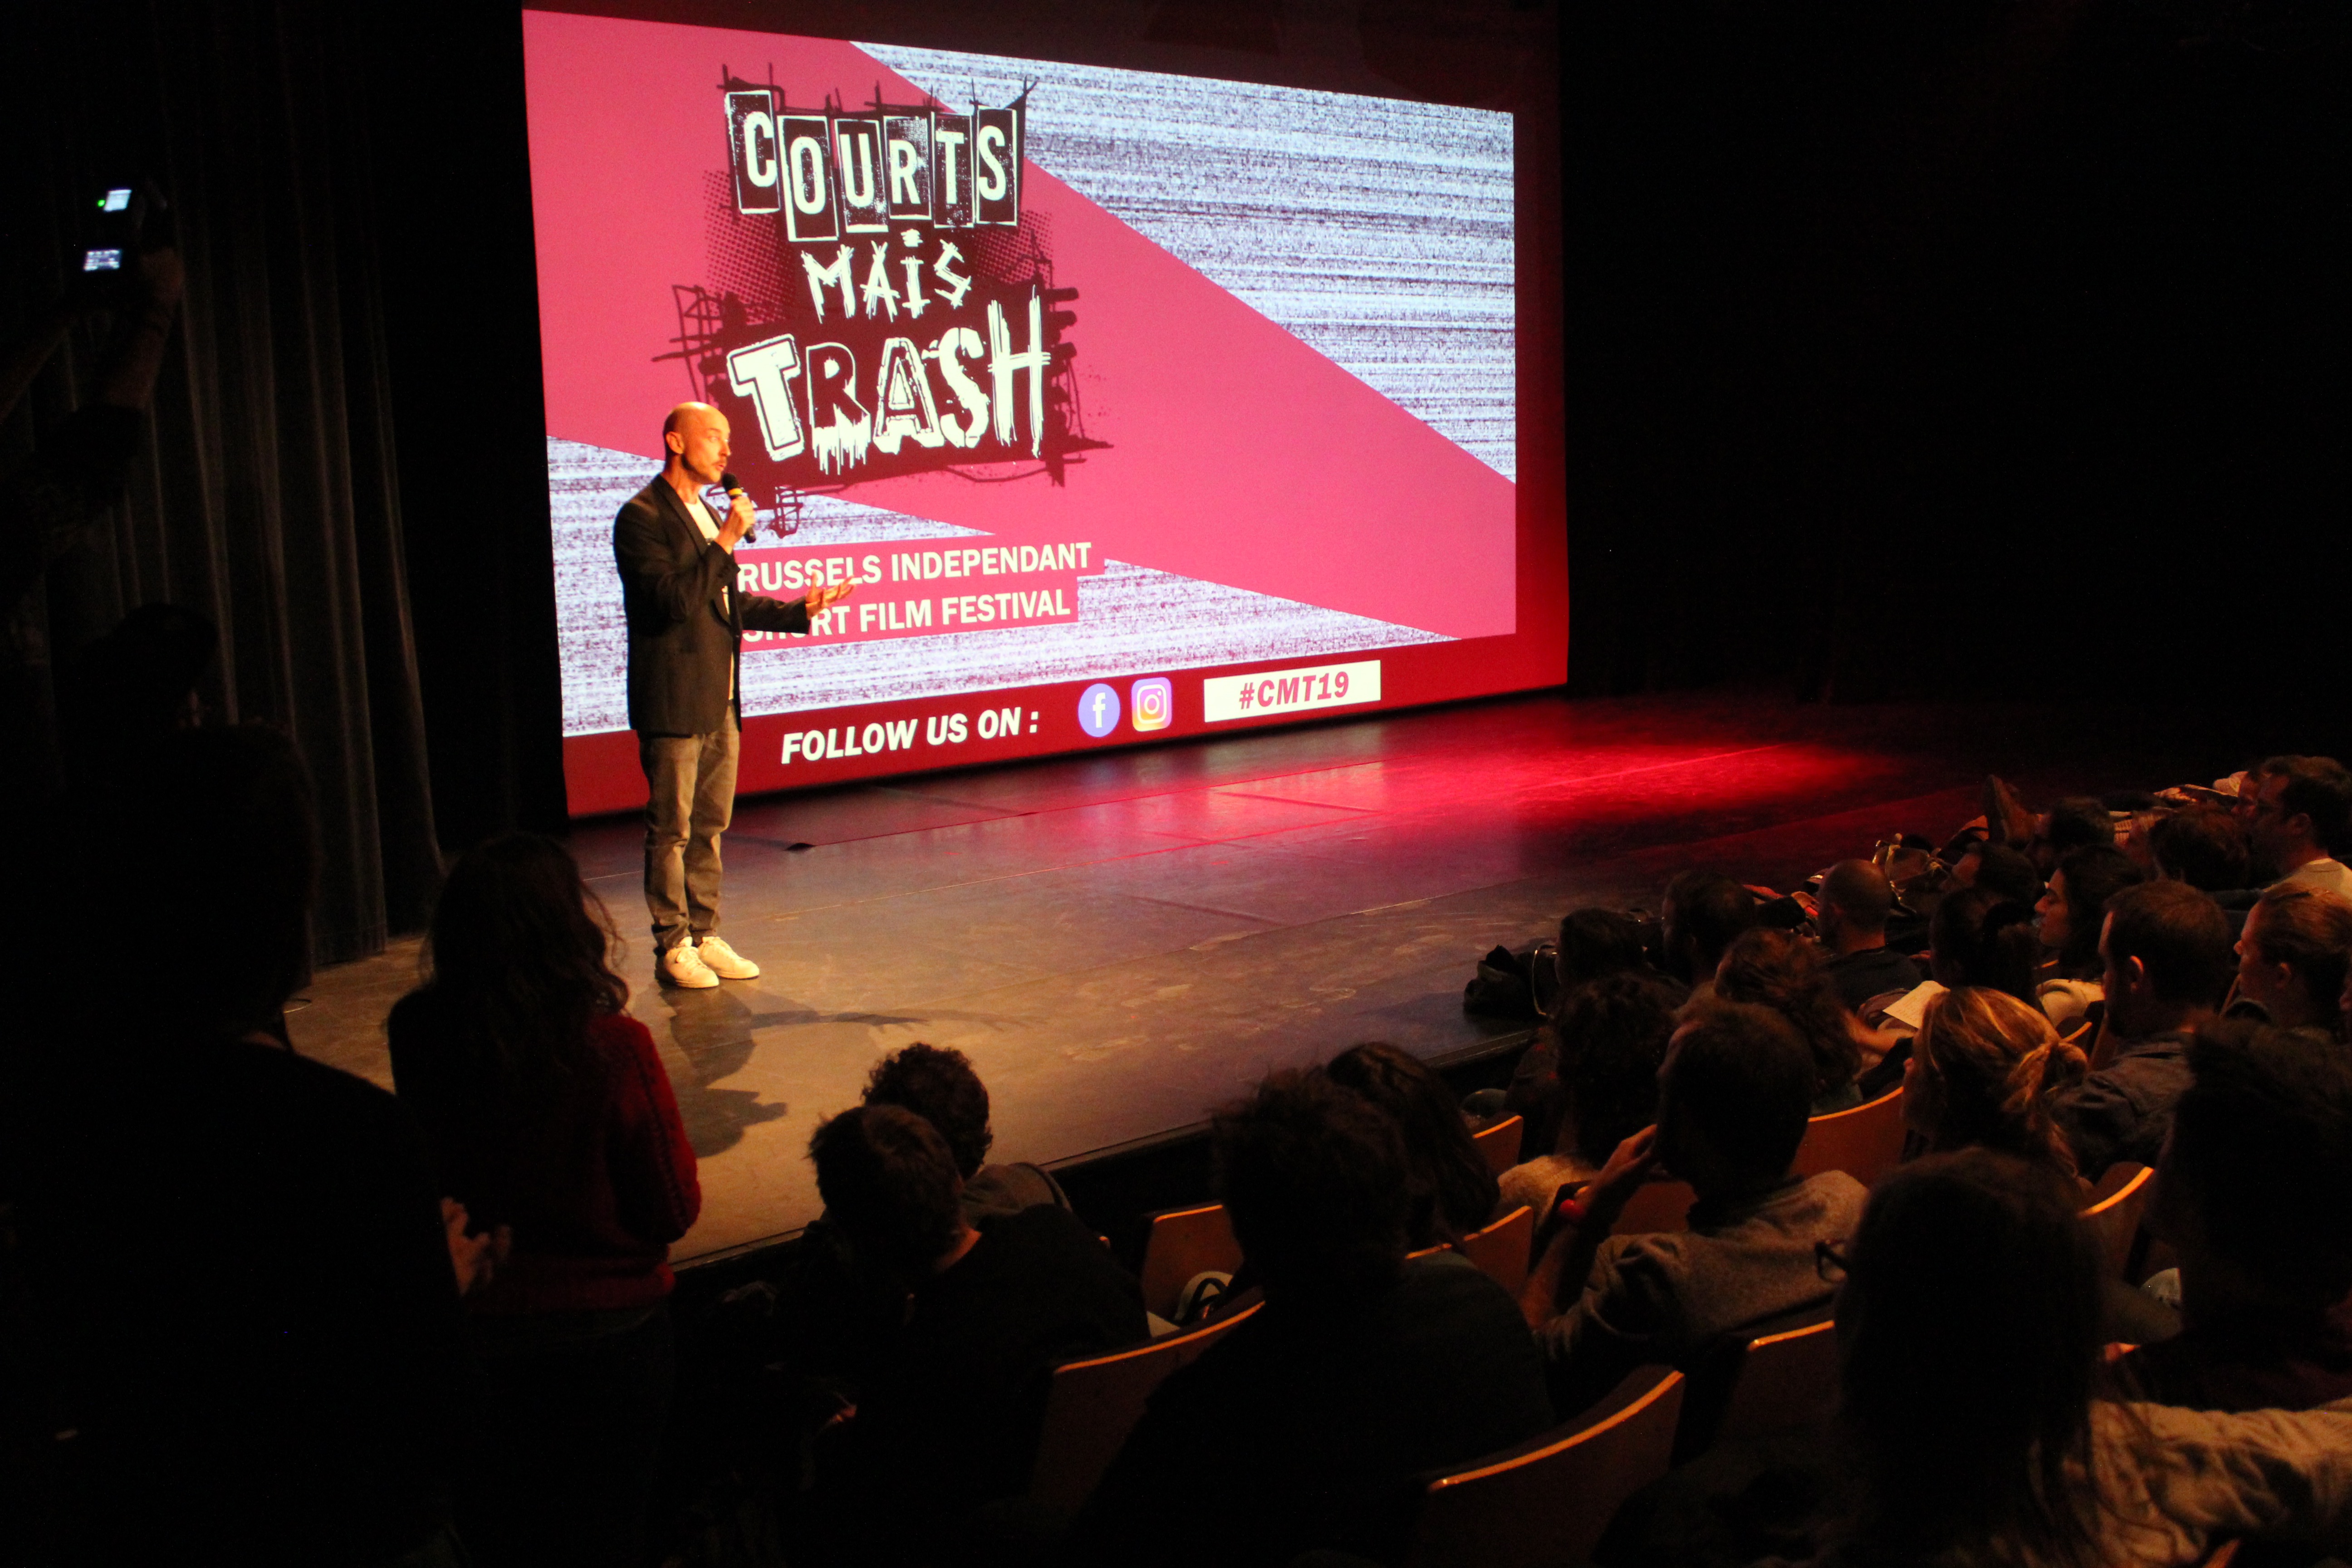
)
(1154, 701)
(1099, 710)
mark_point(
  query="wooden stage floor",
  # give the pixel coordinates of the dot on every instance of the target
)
(1120, 941)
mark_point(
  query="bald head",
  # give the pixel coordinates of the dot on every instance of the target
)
(1860, 895)
(695, 439)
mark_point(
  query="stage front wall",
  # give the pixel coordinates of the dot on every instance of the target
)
(1135, 406)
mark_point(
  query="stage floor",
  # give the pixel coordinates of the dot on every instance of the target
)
(1123, 940)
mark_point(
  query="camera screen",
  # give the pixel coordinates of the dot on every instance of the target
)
(102, 261)
(115, 201)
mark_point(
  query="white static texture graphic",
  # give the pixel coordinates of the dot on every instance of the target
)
(1378, 231)
(1132, 620)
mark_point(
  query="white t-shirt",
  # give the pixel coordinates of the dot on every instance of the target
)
(2332, 875)
(696, 510)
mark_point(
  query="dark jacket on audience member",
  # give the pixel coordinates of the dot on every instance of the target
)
(1872, 972)
(1667, 1297)
(952, 1420)
(2124, 1111)
(1304, 1426)
(2256, 1362)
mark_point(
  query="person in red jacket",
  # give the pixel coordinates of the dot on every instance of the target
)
(552, 1118)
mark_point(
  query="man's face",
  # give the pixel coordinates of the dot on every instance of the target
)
(701, 445)
(2273, 831)
(2254, 975)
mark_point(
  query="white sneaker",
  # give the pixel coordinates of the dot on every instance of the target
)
(724, 961)
(681, 965)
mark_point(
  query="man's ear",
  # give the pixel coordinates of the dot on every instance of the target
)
(675, 442)
(2133, 974)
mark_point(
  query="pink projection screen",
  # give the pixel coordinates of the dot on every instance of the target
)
(1138, 405)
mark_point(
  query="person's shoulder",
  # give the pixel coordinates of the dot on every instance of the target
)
(644, 506)
(996, 1190)
(618, 1032)
(1837, 1194)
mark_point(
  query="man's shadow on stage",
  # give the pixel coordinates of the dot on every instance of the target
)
(712, 1030)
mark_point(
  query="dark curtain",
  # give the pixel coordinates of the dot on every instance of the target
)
(268, 496)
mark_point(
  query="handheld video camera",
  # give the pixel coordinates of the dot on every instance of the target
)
(130, 219)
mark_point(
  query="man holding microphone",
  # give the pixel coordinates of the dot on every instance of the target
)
(686, 620)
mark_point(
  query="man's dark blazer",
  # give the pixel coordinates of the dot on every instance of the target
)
(686, 647)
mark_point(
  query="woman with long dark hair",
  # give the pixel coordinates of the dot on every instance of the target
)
(550, 1115)
(1454, 1190)
(1783, 971)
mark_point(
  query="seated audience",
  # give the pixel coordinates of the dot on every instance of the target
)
(1970, 1331)
(2166, 948)
(2299, 819)
(952, 1421)
(1851, 912)
(2075, 823)
(2000, 870)
(1594, 944)
(550, 1112)
(1451, 1186)
(2294, 955)
(937, 1084)
(236, 1261)
(2203, 846)
(1981, 1074)
(1733, 1099)
(2071, 910)
(1783, 971)
(1303, 1427)
(1978, 939)
(2255, 1194)
(1608, 1085)
(1701, 914)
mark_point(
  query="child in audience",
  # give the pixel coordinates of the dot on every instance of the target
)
(1733, 1099)
(1452, 1187)
(1608, 1085)
(1783, 971)
(2294, 955)
(1970, 1336)
(1981, 1073)
(551, 1113)
(2070, 911)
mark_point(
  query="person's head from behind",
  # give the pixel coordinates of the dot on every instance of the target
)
(2302, 810)
(1597, 942)
(2294, 955)
(519, 949)
(211, 840)
(1313, 1178)
(1975, 938)
(1702, 913)
(1969, 1341)
(937, 1083)
(1447, 1171)
(2075, 823)
(2255, 1187)
(1733, 1099)
(1613, 1034)
(1783, 972)
(2074, 901)
(2204, 847)
(889, 1181)
(1855, 901)
(1982, 1070)
(2166, 956)
(2000, 870)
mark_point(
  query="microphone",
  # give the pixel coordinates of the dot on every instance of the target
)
(734, 487)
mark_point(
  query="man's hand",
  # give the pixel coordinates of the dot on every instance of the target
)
(1629, 1166)
(741, 519)
(474, 1257)
(821, 599)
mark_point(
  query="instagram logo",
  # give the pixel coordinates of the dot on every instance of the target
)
(1153, 701)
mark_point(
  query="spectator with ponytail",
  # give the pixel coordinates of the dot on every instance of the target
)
(1981, 1073)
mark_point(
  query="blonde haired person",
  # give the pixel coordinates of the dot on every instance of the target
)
(1981, 1074)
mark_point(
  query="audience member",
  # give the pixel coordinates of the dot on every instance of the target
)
(937, 1084)
(2294, 954)
(2300, 820)
(1303, 1426)
(1451, 1186)
(2000, 870)
(1701, 915)
(2071, 910)
(1783, 971)
(2078, 822)
(241, 1267)
(952, 1422)
(2203, 846)
(1977, 938)
(1856, 900)
(1970, 1331)
(1608, 1086)
(1981, 1074)
(1594, 944)
(2254, 1194)
(550, 1112)
(1733, 1099)
(2166, 948)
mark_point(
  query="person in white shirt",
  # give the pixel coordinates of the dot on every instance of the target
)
(2300, 816)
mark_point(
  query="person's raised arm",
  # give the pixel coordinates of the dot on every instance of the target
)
(1573, 1231)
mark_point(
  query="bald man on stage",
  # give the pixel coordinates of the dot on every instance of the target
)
(686, 619)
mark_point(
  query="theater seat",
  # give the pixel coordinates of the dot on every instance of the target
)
(1091, 1405)
(1865, 1142)
(1545, 1503)
(1758, 1386)
(1500, 1143)
(2117, 1205)
(1183, 1243)
(1500, 1250)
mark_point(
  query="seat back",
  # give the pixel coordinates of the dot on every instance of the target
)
(1785, 1380)
(1866, 1143)
(1183, 1243)
(2117, 1205)
(1657, 1205)
(1545, 1504)
(1091, 1405)
(1500, 1250)
(1500, 1143)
